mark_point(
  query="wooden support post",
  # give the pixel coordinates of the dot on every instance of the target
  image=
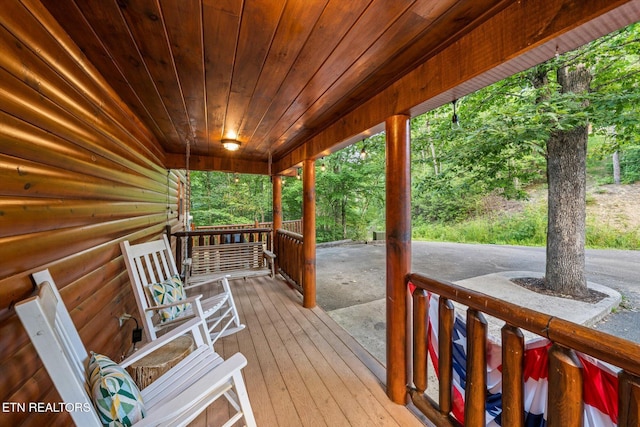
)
(277, 215)
(309, 233)
(628, 400)
(565, 397)
(420, 339)
(476, 388)
(512, 376)
(445, 354)
(398, 245)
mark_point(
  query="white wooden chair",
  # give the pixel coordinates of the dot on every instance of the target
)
(152, 262)
(174, 399)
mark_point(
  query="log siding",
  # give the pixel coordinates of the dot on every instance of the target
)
(78, 174)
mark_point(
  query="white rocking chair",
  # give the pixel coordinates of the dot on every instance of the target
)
(174, 399)
(152, 262)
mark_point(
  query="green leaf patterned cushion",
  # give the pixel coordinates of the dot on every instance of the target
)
(171, 290)
(116, 397)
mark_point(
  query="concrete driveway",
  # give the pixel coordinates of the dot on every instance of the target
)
(351, 281)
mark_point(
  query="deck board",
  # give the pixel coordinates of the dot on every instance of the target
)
(303, 369)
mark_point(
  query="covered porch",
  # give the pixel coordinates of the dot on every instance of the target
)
(105, 106)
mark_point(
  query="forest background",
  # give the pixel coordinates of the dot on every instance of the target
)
(478, 164)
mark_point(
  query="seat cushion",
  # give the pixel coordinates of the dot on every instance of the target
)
(115, 395)
(167, 292)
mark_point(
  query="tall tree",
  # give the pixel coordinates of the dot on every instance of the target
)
(567, 180)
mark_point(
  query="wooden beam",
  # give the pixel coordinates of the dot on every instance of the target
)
(309, 232)
(211, 163)
(522, 35)
(276, 182)
(398, 242)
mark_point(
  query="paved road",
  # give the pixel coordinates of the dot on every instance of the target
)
(354, 274)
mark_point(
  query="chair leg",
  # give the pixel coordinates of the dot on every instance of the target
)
(243, 399)
(232, 304)
(223, 325)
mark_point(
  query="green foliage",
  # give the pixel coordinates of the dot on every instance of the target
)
(217, 199)
(527, 228)
(630, 164)
(607, 237)
(350, 192)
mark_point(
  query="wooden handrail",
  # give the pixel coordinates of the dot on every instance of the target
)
(565, 373)
(290, 257)
(291, 234)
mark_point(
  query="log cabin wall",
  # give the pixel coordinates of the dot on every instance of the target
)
(78, 174)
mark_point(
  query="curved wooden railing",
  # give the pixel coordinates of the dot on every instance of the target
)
(289, 257)
(565, 398)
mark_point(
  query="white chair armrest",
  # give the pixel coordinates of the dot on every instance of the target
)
(201, 387)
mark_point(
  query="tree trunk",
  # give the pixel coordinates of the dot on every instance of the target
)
(616, 167)
(566, 174)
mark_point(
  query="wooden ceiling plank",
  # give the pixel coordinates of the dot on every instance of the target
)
(145, 22)
(529, 33)
(412, 23)
(185, 40)
(108, 23)
(260, 19)
(378, 17)
(336, 20)
(221, 24)
(378, 67)
(298, 21)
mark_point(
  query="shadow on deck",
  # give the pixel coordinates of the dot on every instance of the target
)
(303, 368)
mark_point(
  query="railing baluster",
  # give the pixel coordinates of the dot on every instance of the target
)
(628, 400)
(420, 339)
(565, 388)
(512, 376)
(476, 387)
(445, 354)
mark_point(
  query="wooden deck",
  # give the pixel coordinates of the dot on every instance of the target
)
(303, 369)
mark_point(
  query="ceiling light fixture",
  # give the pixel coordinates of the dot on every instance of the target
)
(231, 144)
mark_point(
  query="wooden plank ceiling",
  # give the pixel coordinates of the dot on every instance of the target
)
(269, 73)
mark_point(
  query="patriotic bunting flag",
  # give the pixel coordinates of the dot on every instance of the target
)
(600, 379)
